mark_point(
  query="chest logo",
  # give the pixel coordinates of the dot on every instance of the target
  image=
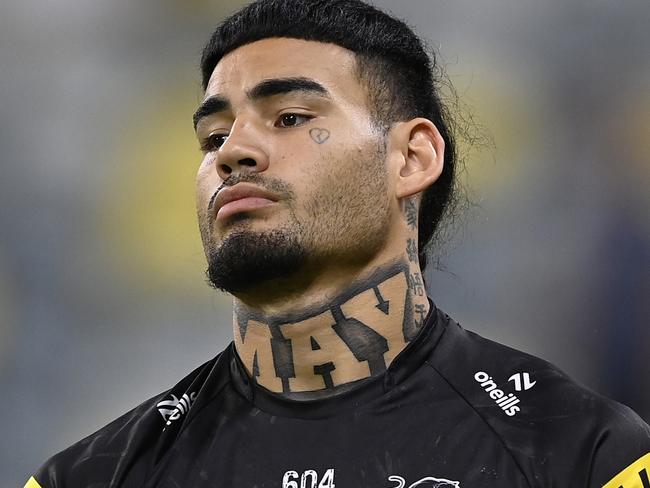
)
(428, 482)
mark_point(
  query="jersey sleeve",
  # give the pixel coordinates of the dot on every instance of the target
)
(622, 457)
(560, 433)
(125, 447)
(636, 474)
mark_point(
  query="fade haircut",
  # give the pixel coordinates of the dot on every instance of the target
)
(391, 64)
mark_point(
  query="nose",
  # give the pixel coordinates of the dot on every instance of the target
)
(242, 151)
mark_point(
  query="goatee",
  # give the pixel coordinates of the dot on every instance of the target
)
(246, 259)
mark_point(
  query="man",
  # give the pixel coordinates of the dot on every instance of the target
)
(328, 163)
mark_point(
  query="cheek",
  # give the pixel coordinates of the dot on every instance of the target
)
(207, 181)
(347, 183)
(205, 187)
(290, 155)
(201, 190)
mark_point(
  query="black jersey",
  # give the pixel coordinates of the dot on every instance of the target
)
(452, 410)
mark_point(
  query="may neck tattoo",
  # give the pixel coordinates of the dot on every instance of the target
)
(332, 347)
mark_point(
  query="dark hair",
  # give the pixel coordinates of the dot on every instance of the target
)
(391, 62)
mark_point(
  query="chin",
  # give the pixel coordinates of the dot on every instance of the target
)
(249, 256)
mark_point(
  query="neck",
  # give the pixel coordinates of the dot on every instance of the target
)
(315, 351)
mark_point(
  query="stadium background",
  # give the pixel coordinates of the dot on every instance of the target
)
(102, 294)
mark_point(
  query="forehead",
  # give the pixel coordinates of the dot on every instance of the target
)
(244, 67)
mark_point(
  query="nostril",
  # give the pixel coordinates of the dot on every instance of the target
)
(225, 168)
(247, 162)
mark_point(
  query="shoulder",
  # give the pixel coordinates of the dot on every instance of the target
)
(556, 428)
(110, 452)
(103, 446)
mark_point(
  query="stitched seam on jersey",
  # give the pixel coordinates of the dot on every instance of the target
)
(207, 402)
(600, 442)
(503, 443)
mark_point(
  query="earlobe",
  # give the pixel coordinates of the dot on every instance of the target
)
(422, 160)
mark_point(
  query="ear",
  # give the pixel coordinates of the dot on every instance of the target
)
(421, 160)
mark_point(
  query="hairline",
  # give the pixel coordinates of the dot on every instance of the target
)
(359, 58)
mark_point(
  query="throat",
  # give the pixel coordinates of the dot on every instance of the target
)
(337, 344)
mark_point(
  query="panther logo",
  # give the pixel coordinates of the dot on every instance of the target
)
(428, 482)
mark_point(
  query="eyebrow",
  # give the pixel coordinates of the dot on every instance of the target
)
(281, 86)
(264, 89)
(210, 106)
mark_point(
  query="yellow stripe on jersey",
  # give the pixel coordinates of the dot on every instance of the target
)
(636, 475)
(32, 483)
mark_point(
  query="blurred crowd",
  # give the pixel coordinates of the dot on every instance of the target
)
(103, 300)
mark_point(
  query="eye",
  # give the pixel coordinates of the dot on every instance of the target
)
(213, 142)
(292, 120)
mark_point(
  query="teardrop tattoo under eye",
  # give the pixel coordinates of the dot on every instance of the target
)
(318, 135)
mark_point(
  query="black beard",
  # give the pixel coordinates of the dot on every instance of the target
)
(247, 259)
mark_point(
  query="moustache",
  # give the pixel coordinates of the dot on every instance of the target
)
(278, 187)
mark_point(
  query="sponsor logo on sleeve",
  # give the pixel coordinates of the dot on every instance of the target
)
(505, 401)
(522, 381)
(636, 475)
(174, 408)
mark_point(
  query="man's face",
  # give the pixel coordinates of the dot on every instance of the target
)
(288, 138)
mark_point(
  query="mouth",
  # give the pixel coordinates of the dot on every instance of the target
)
(242, 197)
(243, 205)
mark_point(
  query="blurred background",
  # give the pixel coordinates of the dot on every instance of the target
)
(103, 301)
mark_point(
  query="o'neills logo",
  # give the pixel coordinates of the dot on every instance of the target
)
(175, 408)
(508, 403)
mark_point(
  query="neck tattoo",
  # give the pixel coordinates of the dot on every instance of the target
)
(331, 347)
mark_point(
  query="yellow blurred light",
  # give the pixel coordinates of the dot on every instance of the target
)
(150, 222)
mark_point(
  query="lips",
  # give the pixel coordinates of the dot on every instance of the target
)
(241, 197)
